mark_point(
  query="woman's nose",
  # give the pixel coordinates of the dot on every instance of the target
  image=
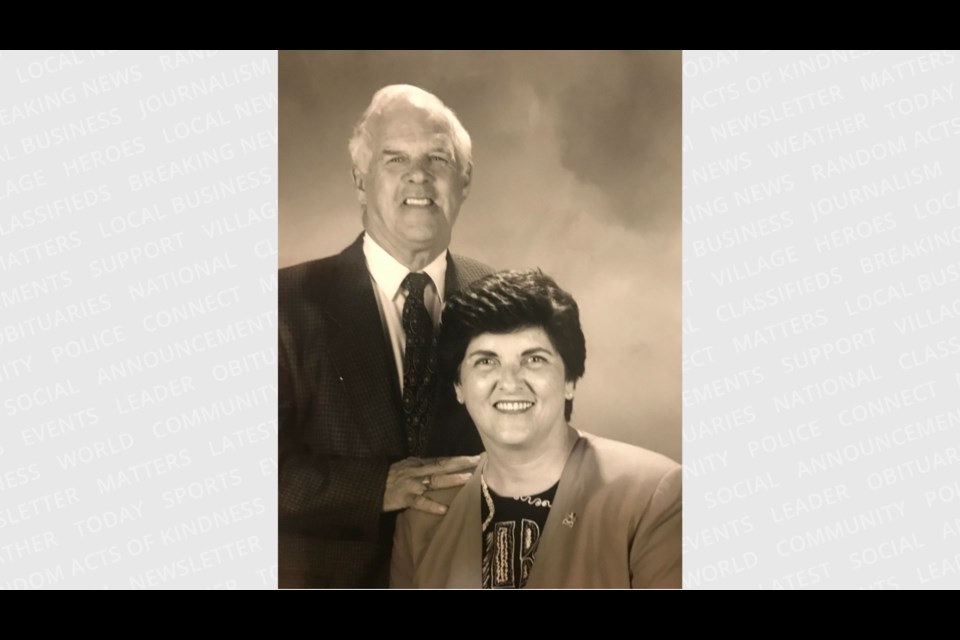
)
(510, 378)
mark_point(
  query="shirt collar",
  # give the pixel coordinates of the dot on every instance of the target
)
(388, 273)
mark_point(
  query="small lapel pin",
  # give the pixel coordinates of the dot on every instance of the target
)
(570, 519)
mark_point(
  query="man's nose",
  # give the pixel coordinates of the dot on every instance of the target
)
(419, 172)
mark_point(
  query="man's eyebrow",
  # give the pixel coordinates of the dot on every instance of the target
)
(391, 152)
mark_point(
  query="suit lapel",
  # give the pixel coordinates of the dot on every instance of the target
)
(360, 348)
(452, 282)
(362, 355)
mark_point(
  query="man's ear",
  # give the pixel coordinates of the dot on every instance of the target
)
(358, 182)
(467, 180)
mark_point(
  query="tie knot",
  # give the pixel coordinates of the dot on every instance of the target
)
(415, 283)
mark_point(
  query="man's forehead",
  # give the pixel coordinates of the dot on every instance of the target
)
(411, 122)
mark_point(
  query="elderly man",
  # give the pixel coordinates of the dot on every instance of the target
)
(361, 414)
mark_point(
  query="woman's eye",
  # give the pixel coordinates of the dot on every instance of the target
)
(484, 362)
(536, 359)
(395, 159)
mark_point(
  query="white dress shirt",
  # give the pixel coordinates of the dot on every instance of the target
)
(386, 274)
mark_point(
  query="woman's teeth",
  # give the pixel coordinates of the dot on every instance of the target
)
(513, 406)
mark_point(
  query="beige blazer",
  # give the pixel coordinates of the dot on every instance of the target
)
(616, 522)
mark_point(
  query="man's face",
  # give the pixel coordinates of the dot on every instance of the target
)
(414, 185)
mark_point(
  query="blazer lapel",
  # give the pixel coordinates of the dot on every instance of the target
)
(453, 559)
(559, 533)
(454, 556)
(362, 355)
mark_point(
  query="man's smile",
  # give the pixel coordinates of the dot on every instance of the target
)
(418, 202)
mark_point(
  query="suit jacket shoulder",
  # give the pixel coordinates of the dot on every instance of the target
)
(323, 278)
(320, 281)
(638, 493)
(614, 466)
(468, 269)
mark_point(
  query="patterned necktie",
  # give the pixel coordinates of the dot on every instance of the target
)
(419, 362)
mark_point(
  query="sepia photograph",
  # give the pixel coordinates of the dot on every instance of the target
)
(479, 315)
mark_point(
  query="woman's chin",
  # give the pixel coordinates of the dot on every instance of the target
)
(509, 437)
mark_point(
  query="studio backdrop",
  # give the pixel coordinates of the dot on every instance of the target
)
(577, 161)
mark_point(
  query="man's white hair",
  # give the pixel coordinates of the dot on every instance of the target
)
(360, 151)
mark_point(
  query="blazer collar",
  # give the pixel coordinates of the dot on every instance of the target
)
(389, 273)
(456, 547)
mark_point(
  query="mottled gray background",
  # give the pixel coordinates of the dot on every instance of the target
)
(577, 171)
(138, 442)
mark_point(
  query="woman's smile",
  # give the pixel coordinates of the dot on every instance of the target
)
(514, 406)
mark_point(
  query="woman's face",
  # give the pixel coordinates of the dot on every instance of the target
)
(514, 387)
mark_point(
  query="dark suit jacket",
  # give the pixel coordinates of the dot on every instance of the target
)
(341, 424)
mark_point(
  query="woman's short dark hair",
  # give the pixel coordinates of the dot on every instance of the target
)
(506, 302)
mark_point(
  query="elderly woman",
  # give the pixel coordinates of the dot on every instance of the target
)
(548, 506)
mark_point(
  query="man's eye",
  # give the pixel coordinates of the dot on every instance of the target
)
(438, 158)
(395, 159)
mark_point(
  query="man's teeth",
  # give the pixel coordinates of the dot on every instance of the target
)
(418, 202)
(513, 406)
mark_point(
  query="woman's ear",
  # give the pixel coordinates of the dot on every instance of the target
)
(568, 390)
(459, 391)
